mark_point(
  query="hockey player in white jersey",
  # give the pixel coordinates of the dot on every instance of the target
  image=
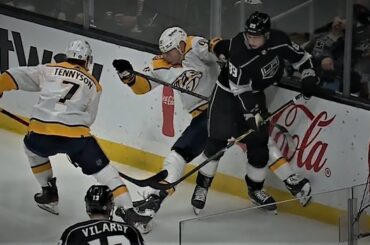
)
(186, 63)
(60, 123)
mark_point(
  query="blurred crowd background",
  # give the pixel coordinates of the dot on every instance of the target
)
(335, 32)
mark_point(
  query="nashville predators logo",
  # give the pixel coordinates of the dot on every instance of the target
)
(188, 80)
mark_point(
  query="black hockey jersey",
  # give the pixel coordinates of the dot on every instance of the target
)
(101, 232)
(253, 70)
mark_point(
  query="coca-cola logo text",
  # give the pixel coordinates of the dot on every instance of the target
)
(309, 149)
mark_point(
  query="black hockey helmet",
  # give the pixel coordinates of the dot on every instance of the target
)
(258, 24)
(99, 200)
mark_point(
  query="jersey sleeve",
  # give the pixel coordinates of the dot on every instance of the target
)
(27, 78)
(201, 47)
(63, 238)
(295, 54)
(220, 47)
(142, 85)
(21, 78)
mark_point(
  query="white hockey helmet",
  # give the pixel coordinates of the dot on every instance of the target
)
(171, 39)
(79, 50)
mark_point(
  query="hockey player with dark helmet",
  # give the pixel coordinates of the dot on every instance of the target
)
(100, 229)
(99, 201)
(257, 28)
(254, 60)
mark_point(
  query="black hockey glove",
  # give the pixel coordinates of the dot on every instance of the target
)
(254, 122)
(309, 83)
(124, 70)
(1, 95)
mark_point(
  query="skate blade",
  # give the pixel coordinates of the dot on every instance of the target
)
(304, 201)
(51, 208)
(304, 196)
(196, 210)
(265, 208)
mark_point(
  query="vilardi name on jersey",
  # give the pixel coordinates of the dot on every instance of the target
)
(101, 232)
(105, 227)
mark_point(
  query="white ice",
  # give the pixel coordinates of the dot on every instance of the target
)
(22, 222)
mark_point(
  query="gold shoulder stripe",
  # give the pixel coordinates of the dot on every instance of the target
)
(160, 63)
(7, 82)
(189, 44)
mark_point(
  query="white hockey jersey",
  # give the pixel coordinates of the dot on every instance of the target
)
(197, 73)
(68, 101)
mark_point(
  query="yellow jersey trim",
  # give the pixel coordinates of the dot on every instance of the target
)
(199, 110)
(41, 168)
(120, 190)
(277, 164)
(58, 129)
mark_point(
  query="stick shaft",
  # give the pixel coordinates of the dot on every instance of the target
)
(170, 85)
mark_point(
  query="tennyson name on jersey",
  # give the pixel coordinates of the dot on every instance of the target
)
(107, 227)
(75, 75)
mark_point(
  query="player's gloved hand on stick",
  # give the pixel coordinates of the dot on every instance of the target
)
(309, 83)
(124, 70)
(254, 122)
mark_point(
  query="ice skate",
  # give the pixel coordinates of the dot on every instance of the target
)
(198, 200)
(48, 198)
(133, 217)
(151, 204)
(300, 188)
(263, 200)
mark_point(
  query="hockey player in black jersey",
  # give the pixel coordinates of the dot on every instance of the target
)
(100, 229)
(254, 60)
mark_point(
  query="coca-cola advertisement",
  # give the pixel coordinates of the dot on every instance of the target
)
(323, 140)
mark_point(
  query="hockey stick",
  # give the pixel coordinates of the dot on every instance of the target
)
(142, 183)
(170, 85)
(14, 117)
(145, 182)
(166, 186)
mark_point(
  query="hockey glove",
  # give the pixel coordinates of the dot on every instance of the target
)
(254, 122)
(1, 95)
(124, 70)
(309, 83)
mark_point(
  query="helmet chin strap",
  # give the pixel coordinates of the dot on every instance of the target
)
(179, 49)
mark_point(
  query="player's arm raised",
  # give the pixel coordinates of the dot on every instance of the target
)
(139, 85)
(302, 61)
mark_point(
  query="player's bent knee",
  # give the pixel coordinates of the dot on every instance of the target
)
(213, 146)
(187, 154)
(258, 157)
(108, 176)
